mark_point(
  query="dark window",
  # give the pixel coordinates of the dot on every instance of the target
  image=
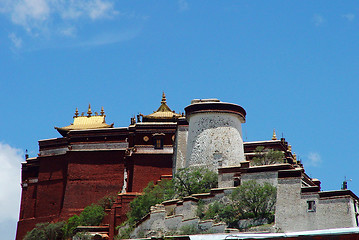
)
(237, 182)
(158, 143)
(355, 207)
(311, 206)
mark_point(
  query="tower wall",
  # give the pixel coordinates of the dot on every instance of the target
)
(214, 134)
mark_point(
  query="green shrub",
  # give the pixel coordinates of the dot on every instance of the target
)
(267, 157)
(190, 181)
(189, 230)
(72, 223)
(82, 236)
(252, 198)
(200, 209)
(125, 232)
(107, 201)
(46, 231)
(92, 215)
(220, 212)
(152, 195)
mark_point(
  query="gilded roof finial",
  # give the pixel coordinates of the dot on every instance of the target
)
(274, 135)
(102, 111)
(89, 112)
(163, 97)
(295, 156)
(76, 112)
(289, 148)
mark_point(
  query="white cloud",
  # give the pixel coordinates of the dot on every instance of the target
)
(349, 16)
(48, 21)
(318, 19)
(93, 9)
(30, 13)
(69, 31)
(314, 159)
(100, 9)
(10, 159)
(16, 41)
(183, 5)
(110, 38)
(38, 14)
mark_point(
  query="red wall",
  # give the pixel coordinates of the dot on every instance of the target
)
(91, 176)
(147, 168)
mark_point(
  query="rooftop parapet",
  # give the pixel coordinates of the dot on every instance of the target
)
(214, 105)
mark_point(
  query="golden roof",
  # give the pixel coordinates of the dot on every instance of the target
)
(86, 122)
(162, 113)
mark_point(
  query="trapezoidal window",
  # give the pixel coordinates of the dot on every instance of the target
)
(158, 139)
(236, 182)
(311, 206)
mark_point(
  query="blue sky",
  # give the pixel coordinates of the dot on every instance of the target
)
(293, 65)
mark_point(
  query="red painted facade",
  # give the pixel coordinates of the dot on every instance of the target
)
(74, 171)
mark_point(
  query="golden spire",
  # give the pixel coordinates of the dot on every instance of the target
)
(102, 111)
(163, 113)
(163, 98)
(295, 156)
(289, 148)
(274, 135)
(89, 112)
(76, 112)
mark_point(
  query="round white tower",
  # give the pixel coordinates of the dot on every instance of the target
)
(214, 134)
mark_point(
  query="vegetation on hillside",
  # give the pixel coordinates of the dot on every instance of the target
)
(251, 200)
(91, 216)
(185, 182)
(46, 231)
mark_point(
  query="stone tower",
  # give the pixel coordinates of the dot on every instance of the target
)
(214, 134)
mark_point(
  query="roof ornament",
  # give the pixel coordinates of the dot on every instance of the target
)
(84, 121)
(163, 113)
(289, 148)
(345, 183)
(274, 135)
(163, 98)
(89, 112)
(76, 112)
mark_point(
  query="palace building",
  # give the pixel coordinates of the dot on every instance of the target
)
(93, 159)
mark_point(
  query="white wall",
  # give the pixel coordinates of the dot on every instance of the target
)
(214, 140)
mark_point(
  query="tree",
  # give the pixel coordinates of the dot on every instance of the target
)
(252, 198)
(221, 212)
(72, 223)
(92, 215)
(190, 181)
(152, 195)
(46, 231)
(263, 157)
